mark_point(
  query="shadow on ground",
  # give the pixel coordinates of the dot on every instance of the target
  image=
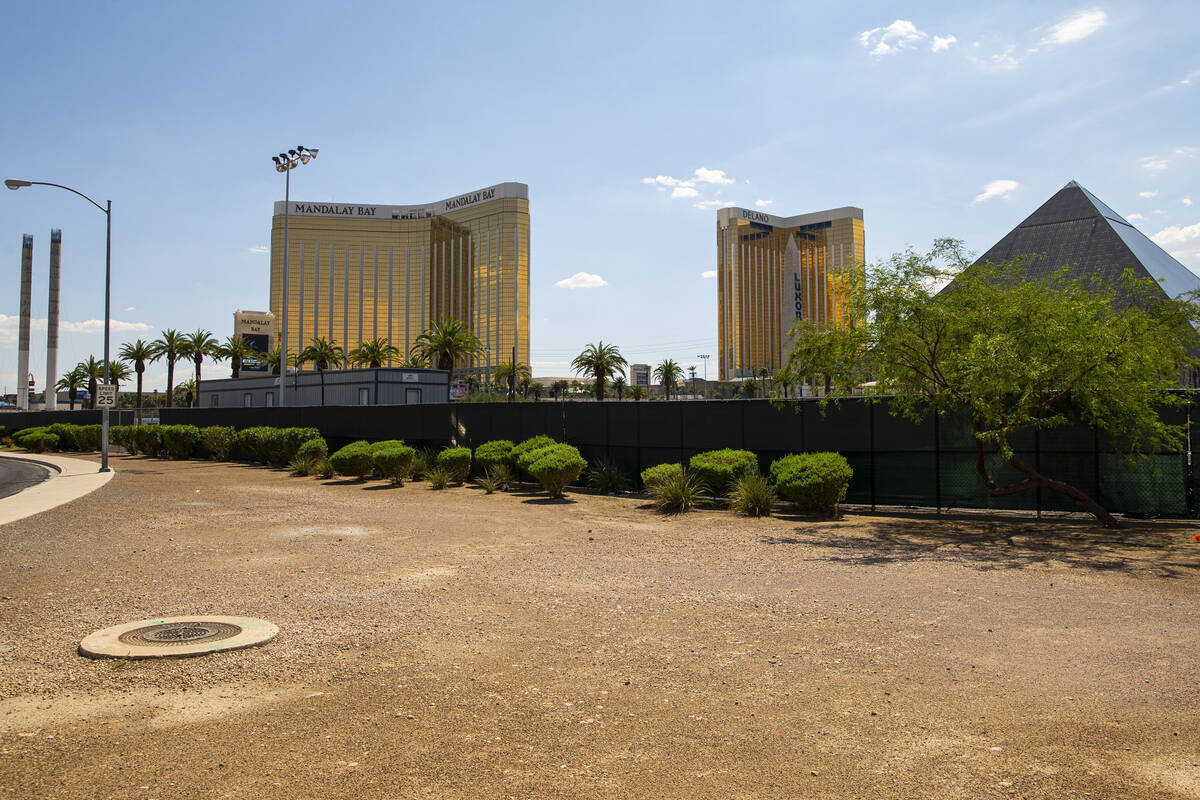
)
(1164, 549)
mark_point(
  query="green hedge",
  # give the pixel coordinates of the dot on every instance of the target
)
(315, 449)
(456, 461)
(556, 466)
(66, 435)
(285, 443)
(220, 441)
(815, 482)
(146, 440)
(354, 460)
(393, 461)
(89, 438)
(653, 476)
(519, 450)
(719, 470)
(255, 443)
(489, 454)
(179, 440)
(121, 436)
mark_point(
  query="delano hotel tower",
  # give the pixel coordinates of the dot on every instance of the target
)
(772, 271)
(360, 272)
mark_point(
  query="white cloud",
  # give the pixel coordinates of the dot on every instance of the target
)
(581, 280)
(900, 35)
(1184, 82)
(130, 308)
(706, 175)
(1000, 188)
(705, 205)
(1176, 236)
(700, 175)
(1147, 195)
(667, 180)
(1132, 217)
(1154, 164)
(708, 273)
(1159, 211)
(1187, 201)
(942, 43)
(1080, 26)
(10, 327)
(684, 191)
(763, 203)
(259, 249)
(1006, 60)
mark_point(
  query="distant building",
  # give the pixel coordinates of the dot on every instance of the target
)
(350, 387)
(773, 271)
(639, 375)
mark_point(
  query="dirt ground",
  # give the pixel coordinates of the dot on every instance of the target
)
(455, 644)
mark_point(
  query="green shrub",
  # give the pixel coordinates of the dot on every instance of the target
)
(721, 469)
(20, 436)
(40, 442)
(815, 482)
(519, 450)
(147, 440)
(652, 476)
(325, 469)
(255, 443)
(121, 436)
(314, 448)
(489, 454)
(284, 443)
(607, 476)
(456, 461)
(753, 496)
(66, 434)
(394, 462)
(438, 478)
(556, 466)
(677, 492)
(219, 441)
(353, 460)
(179, 440)
(89, 438)
(387, 444)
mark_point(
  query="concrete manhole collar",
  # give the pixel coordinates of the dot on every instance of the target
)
(175, 637)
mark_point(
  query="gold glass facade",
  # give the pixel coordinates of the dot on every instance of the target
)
(360, 272)
(772, 271)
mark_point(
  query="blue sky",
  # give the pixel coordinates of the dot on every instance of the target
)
(936, 119)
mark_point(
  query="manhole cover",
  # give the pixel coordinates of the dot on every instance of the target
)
(177, 636)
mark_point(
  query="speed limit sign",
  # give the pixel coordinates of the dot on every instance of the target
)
(106, 395)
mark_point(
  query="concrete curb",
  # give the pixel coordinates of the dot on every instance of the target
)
(70, 479)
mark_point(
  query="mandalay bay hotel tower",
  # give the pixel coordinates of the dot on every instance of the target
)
(362, 272)
(773, 271)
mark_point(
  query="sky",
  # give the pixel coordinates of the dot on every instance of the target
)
(630, 122)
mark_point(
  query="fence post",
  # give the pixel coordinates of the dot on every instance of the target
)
(937, 460)
(871, 418)
(1037, 464)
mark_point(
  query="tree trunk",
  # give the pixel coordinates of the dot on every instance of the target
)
(170, 382)
(139, 395)
(197, 381)
(235, 366)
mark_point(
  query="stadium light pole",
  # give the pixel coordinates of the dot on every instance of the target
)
(704, 357)
(285, 163)
(14, 184)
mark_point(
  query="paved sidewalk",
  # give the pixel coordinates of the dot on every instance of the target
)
(70, 479)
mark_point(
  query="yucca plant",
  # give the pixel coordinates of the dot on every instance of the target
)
(325, 469)
(753, 496)
(304, 465)
(488, 483)
(607, 476)
(439, 478)
(678, 492)
(503, 475)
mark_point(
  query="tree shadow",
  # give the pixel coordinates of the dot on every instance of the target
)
(345, 482)
(1162, 549)
(379, 487)
(549, 501)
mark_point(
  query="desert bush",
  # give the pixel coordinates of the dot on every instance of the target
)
(677, 492)
(146, 439)
(456, 461)
(815, 482)
(721, 469)
(314, 448)
(556, 466)
(219, 441)
(753, 496)
(394, 462)
(284, 443)
(519, 450)
(607, 476)
(66, 434)
(179, 440)
(651, 476)
(40, 442)
(255, 443)
(438, 477)
(489, 454)
(353, 460)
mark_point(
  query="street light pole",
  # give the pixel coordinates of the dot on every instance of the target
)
(15, 184)
(704, 357)
(285, 163)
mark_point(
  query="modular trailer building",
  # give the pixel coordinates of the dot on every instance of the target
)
(386, 386)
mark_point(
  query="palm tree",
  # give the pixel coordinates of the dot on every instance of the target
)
(272, 359)
(526, 382)
(619, 385)
(637, 392)
(323, 354)
(667, 373)
(414, 361)
(373, 353)
(560, 387)
(748, 387)
(186, 391)
(765, 375)
(118, 371)
(236, 350)
(472, 383)
(784, 379)
(601, 361)
(138, 353)
(199, 346)
(93, 373)
(169, 345)
(447, 343)
(71, 383)
(536, 390)
(510, 373)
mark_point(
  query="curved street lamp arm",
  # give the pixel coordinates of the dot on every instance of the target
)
(69, 189)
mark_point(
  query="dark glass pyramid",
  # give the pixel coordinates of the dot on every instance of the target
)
(1075, 228)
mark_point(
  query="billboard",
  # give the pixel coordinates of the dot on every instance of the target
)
(257, 329)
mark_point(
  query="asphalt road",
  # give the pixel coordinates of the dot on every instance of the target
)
(18, 475)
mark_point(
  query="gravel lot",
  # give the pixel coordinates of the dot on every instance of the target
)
(454, 644)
